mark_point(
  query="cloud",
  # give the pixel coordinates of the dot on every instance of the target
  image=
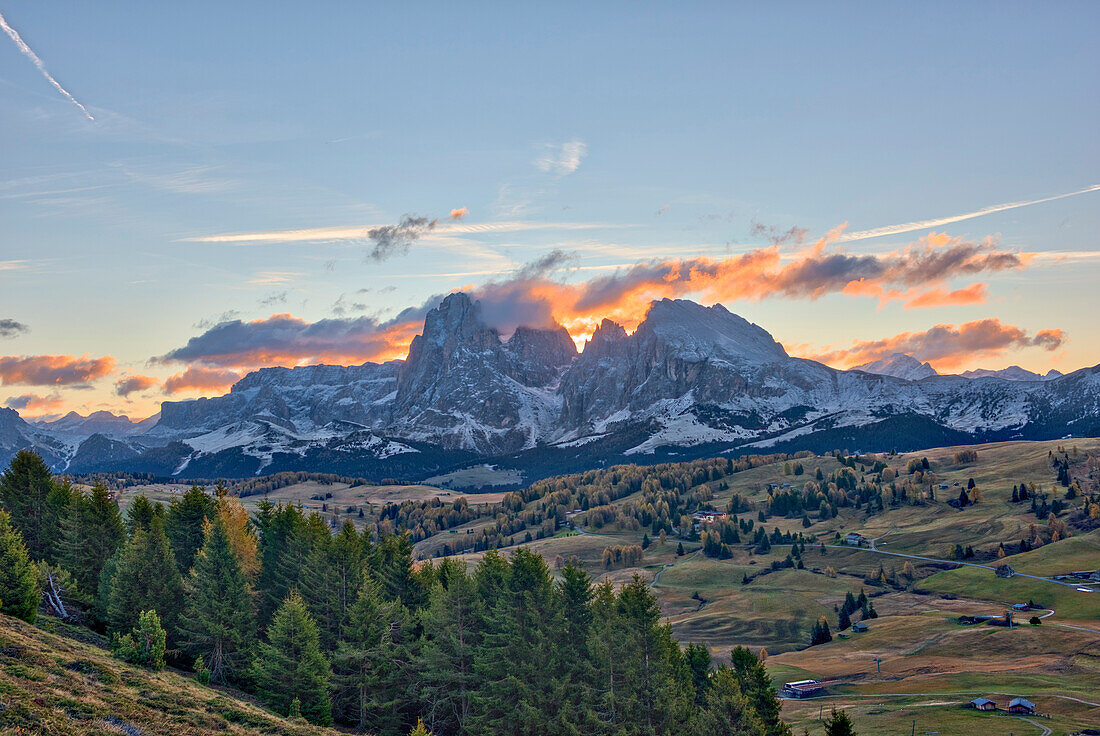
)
(276, 298)
(344, 306)
(340, 232)
(272, 278)
(775, 236)
(390, 240)
(909, 227)
(35, 405)
(561, 159)
(52, 370)
(283, 339)
(197, 378)
(12, 328)
(939, 297)
(130, 384)
(459, 212)
(29, 53)
(945, 346)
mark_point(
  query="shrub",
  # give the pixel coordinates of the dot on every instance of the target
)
(144, 645)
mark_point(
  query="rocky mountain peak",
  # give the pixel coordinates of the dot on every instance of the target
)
(696, 332)
(899, 365)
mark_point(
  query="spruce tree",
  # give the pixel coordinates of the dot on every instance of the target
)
(727, 711)
(19, 593)
(94, 532)
(184, 525)
(38, 505)
(372, 664)
(698, 661)
(517, 653)
(331, 581)
(217, 623)
(289, 665)
(140, 513)
(839, 724)
(143, 577)
(452, 630)
(757, 687)
(572, 668)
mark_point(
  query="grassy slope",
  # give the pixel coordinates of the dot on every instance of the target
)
(53, 684)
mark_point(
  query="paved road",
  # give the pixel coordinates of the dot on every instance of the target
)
(1046, 731)
(947, 692)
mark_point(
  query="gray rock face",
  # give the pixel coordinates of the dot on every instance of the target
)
(689, 376)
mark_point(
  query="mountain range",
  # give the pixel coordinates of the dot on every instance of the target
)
(690, 381)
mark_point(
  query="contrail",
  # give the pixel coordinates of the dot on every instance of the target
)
(29, 53)
(923, 224)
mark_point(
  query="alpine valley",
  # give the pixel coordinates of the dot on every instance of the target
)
(690, 381)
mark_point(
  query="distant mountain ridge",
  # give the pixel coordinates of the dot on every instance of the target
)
(689, 381)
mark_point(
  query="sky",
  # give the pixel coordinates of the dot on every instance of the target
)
(189, 191)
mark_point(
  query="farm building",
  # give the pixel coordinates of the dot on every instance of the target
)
(859, 627)
(802, 689)
(1004, 571)
(1021, 607)
(854, 539)
(983, 704)
(1020, 706)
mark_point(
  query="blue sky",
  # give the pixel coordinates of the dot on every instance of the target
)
(617, 133)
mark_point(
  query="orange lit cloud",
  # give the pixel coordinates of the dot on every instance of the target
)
(946, 347)
(534, 296)
(129, 384)
(459, 212)
(197, 378)
(286, 340)
(35, 405)
(52, 370)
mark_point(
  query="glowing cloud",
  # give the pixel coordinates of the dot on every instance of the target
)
(35, 405)
(52, 370)
(29, 53)
(946, 346)
(459, 212)
(130, 384)
(196, 378)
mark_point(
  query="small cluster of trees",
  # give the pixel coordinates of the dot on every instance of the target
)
(626, 555)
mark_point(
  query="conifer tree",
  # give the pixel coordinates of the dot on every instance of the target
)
(757, 687)
(698, 661)
(140, 513)
(643, 682)
(19, 593)
(446, 661)
(142, 577)
(93, 534)
(391, 564)
(372, 664)
(839, 724)
(38, 505)
(516, 652)
(331, 581)
(727, 711)
(217, 623)
(290, 665)
(184, 525)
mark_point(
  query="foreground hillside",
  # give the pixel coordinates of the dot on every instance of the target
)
(51, 683)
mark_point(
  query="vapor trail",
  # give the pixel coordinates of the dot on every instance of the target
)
(923, 224)
(29, 53)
